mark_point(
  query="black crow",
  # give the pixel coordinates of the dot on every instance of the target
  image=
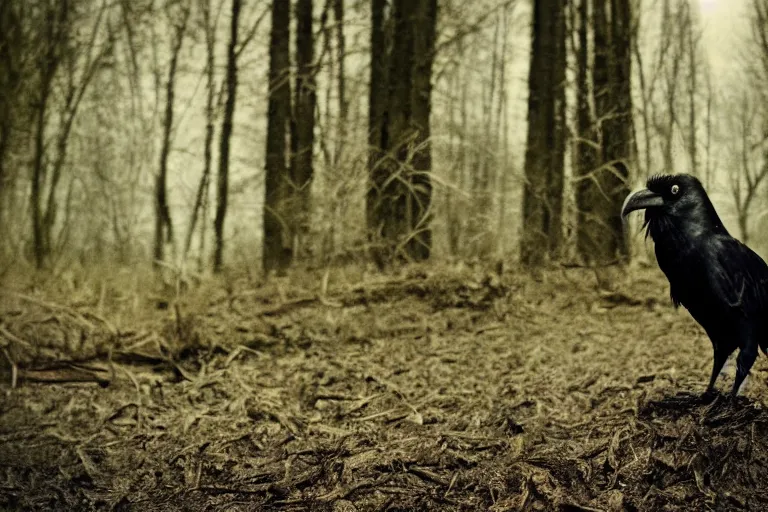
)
(719, 280)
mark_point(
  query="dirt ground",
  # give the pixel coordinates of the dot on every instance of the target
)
(458, 389)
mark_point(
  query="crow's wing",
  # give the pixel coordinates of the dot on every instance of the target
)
(738, 277)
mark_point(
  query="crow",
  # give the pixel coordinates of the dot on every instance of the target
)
(720, 281)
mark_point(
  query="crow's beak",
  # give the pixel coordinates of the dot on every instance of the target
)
(640, 200)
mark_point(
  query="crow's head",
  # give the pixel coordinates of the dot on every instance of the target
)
(674, 200)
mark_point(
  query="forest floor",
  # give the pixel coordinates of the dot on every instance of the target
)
(457, 389)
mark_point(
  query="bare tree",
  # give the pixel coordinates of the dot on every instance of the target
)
(222, 182)
(602, 190)
(378, 136)
(178, 15)
(399, 198)
(750, 157)
(303, 128)
(545, 148)
(748, 118)
(341, 85)
(671, 77)
(14, 79)
(708, 129)
(585, 143)
(484, 176)
(424, 16)
(692, 39)
(502, 133)
(201, 198)
(277, 243)
(62, 55)
(666, 114)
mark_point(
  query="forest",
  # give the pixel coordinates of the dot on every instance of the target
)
(362, 255)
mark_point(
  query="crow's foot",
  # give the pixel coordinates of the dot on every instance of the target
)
(709, 396)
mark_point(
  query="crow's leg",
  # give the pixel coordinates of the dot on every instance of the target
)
(744, 362)
(721, 356)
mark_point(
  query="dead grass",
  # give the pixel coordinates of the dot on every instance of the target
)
(455, 389)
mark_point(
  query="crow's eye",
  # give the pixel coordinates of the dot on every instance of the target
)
(675, 189)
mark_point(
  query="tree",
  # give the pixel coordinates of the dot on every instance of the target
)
(163, 222)
(222, 181)
(545, 149)
(749, 156)
(748, 121)
(15, 80)
(277, 253)
(400, 193)
(201, 198)
(303, 127)
(64, 56)
(341, 86)
(601, 238)
(585, 134)
(378, 137)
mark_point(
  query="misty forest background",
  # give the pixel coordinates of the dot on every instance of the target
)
(198, 135)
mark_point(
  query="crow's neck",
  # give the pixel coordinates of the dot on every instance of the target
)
(680, 233)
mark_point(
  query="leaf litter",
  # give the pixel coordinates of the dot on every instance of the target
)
(450, 389)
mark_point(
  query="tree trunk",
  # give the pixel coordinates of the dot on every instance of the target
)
(585, 149)
(341, 52)
(462, 165)
(48, 65)
(708, 134)
(38, 170)
(202, 190)
(163, 222)
(620, 148)
(399, 200)
(10, 79)
(303, 128)
(502, 138)
(17, 86)
(451, 210)
(419, 244)
(481, 233)
(545, 149)
(672, 77)
(693, 90)
(378, 130)
(222, 185)
(277, 243)
(603, 237)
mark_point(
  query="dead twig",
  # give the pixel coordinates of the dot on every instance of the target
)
(14, 368)
(56, 307)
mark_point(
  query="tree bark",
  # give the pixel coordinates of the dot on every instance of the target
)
(202, 190)
(378, 130)
(585, 143)
(163, 222)
(399, 199)
(419, 245)
(603, 240)
(11, 44)
(341, 84)
(277, 253)
(693, 90)
(48, 66)
(545, 149)
(222, 182)
(303, 129)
